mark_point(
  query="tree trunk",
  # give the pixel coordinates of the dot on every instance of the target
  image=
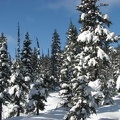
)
(37, 109)
(18, 110)
(0, 110)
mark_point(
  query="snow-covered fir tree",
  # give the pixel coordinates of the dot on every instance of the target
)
(26, 59)
(116, 63)
(39, 67)
(4, 73)
(18, 86)
(92, 62)
(96, 39)
(67, 58)
(45, 62)
(55, 57)
(113, 73)
(43, 66)
(37, 97)
(34, 62)
(9, 60)
(38, 93)
(18, 90)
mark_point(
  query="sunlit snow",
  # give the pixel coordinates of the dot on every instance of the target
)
(118, 83)
(53, 111)
(102, 55)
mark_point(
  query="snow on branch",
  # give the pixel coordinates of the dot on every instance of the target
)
(102, 55)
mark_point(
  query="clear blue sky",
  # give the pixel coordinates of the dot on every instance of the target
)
(41, 17)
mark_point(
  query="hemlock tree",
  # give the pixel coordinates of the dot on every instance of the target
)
(92, 61)
(55, 57)
(4, 73)
(67, 58)
(26, 59)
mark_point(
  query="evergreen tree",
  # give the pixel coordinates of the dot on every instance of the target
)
(92, 61)
(10, 60)
(55, 57)
(116, 62)
(34, 62)
(46, 75)
(38, 93)
(26, 59)
(38, 48)
(18, 85)
(113, 73)
(67, 58)
(4, 73)
(18, 90)
(39, 60)
(37, 97)
(96, 50)
(43, 67)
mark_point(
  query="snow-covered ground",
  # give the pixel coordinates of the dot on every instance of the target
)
(54, 112)
(108, 112)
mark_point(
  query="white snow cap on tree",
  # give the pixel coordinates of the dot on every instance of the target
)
(92, 62)
(102, 55)
(101, 30)
(98, 30)
(118, 83)
(83, 15)
(27, 78)
(68, 58)
(106, 17)
(13, 78)
(85, 36)
(88, 36)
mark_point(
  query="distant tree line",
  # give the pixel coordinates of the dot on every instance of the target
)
(26, 80)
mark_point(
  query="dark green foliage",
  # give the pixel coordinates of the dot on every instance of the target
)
(94, 22)
(67, 58)
(26, 59)
(45, 62)
(4, 73)
(19, 89)
(55, 56)
(91, 16)
(92, 62)
(38, 92)
(37, 97)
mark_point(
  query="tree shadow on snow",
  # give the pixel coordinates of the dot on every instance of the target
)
(109, 108)
(56, 114)
(107, 119)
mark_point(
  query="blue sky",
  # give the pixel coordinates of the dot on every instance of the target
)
(41, 17)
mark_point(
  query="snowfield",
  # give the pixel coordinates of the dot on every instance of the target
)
(53, 111)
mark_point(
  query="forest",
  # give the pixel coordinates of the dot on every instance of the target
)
(84, 73)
